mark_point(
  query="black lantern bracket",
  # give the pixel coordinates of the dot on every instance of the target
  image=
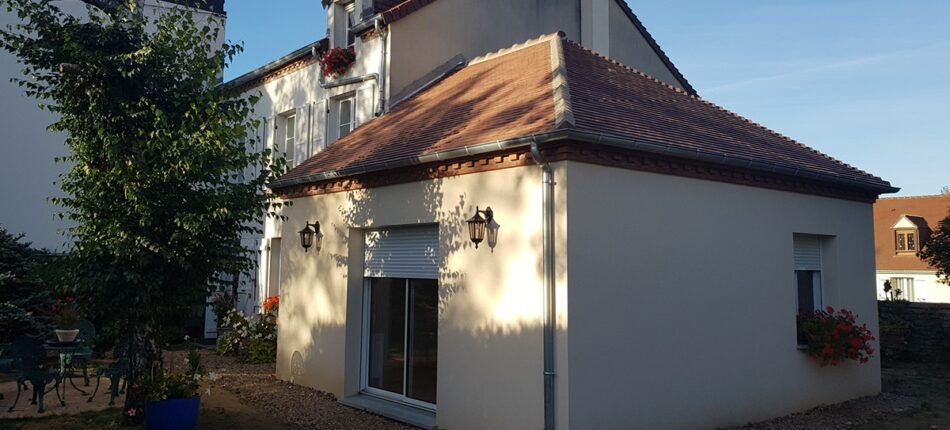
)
(307, 235)
(477, 224)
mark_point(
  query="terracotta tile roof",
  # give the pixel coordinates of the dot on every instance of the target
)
(927, 210)
(510, 94)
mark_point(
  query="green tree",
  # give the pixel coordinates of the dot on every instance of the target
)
(161, 185)
(936, 250)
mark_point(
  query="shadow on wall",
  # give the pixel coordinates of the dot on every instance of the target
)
(507, 300)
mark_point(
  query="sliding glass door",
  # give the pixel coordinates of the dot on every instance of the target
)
(401, 339)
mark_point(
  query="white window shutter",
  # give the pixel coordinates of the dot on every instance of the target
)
(365, 104)
(402, 253)
(807, 252)
(319, 126)
(300, 137)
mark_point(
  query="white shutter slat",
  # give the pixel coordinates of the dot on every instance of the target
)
(365, 104)
(319, 126)
(300, 135)
(807, 252)
(402, 253)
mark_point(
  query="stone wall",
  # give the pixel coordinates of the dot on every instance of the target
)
(914, 332)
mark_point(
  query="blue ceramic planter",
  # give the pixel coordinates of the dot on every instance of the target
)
(173, 414)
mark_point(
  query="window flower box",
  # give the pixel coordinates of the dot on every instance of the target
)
(832, 337)
(337, 61)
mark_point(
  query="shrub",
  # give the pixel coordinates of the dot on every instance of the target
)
(261, 351)
(832, 337)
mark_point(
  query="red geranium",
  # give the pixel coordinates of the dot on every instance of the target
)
(832, 337)
(336, 61)
(271, 303)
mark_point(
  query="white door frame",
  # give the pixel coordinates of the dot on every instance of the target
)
(364, 356)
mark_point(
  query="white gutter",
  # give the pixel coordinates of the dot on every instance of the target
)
(549, 315)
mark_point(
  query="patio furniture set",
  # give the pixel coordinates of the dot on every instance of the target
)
(30, 359)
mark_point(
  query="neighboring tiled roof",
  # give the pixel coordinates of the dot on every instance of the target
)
(510, 94)
(927, 210)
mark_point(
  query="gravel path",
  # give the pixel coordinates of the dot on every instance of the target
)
(305, 408)
(854, 414)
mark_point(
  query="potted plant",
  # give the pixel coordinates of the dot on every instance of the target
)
(66, 317)
(171, 399)
(337, 61)
(831, 337)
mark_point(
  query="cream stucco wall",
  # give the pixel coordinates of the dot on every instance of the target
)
(683, 300)
(441, 30)
(489, 352)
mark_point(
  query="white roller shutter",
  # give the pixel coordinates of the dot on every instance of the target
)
(402, 253)
(807, 252)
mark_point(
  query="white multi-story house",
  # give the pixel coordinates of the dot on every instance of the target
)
(402, 47)
(644, 258)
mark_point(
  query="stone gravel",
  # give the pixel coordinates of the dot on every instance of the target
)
(853, 414)
(306, 408)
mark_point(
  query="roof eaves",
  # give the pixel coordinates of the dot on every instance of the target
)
(656, 47)
(277, 64)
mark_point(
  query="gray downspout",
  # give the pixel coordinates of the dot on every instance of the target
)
(548, 274)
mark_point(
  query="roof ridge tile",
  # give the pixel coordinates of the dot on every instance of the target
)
(515, 48)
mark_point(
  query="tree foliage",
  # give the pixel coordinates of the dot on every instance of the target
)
(161, 185)
(936, 250)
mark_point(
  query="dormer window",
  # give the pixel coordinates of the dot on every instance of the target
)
(343, 25)
(910, 232)
(906, 241)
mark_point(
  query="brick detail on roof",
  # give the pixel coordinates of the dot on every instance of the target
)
(549, 83)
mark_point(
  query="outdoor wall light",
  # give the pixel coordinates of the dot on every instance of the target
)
(307, 235)
(477, 226)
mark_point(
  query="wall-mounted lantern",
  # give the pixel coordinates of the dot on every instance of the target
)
(477, 226)
(308, 234)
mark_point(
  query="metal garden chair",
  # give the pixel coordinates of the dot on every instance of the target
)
(116, 372)
(87, 335)
(31, 360)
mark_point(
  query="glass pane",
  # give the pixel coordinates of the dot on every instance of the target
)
(901, 246)
(911, 242)
(290, 127)
(387, 328)
(806, 291)
(423, 339)
(346, 112)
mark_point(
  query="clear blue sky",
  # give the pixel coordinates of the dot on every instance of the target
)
(865, 81)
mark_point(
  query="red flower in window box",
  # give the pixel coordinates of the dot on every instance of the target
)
(833, 336)
(336, 61)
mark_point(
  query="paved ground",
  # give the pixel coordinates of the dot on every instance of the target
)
(76, 402)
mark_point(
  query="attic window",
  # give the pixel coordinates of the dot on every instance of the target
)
(905, 241)
(344, 21)
(350, 23)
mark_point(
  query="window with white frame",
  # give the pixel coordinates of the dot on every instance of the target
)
(347, 116)
(808, 274)
(901, 289)
(288, 134)
(343, 25)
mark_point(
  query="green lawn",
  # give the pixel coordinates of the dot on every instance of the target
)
(99, 420)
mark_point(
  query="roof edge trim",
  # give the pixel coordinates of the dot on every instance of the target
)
(563, 110)
(594, 138)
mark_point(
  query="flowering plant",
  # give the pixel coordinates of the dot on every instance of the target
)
(834, 336)
(254, 339)
(271, 304)
(162, 384)
(65, 313)
(336, 61)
